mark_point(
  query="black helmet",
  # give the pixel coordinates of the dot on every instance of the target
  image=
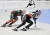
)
(20, 12)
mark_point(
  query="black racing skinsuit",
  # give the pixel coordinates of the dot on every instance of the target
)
(26, 20)
(14, 15)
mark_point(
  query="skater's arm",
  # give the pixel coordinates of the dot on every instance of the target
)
(11, 17)
(38, 13)
(21, 17)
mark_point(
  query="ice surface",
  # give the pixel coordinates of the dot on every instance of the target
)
(41, 29)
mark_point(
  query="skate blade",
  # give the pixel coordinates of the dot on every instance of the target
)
(3, 26)
(14, 30)
(23, 30)
(9, 26)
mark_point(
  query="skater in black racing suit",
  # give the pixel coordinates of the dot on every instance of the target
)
(26, 18)
(13, 18)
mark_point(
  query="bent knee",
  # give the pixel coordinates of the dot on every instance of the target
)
(31, 23)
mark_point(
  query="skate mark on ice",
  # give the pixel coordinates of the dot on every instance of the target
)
(38, 29)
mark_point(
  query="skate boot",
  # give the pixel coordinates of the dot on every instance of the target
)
(24, 29)
(15, 29)
(10, 25)
(4, 25)
(28, 28)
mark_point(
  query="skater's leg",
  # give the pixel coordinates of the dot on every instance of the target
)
(24, 22)
(35, 21)
(6, 23)
(33, 5)
(11, 18)
(28, 5)
(27, 27)
(30, 23)
(12, 22)
(9, 21)
(10, 25)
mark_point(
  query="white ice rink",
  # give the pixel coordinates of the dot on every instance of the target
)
(6, 6)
